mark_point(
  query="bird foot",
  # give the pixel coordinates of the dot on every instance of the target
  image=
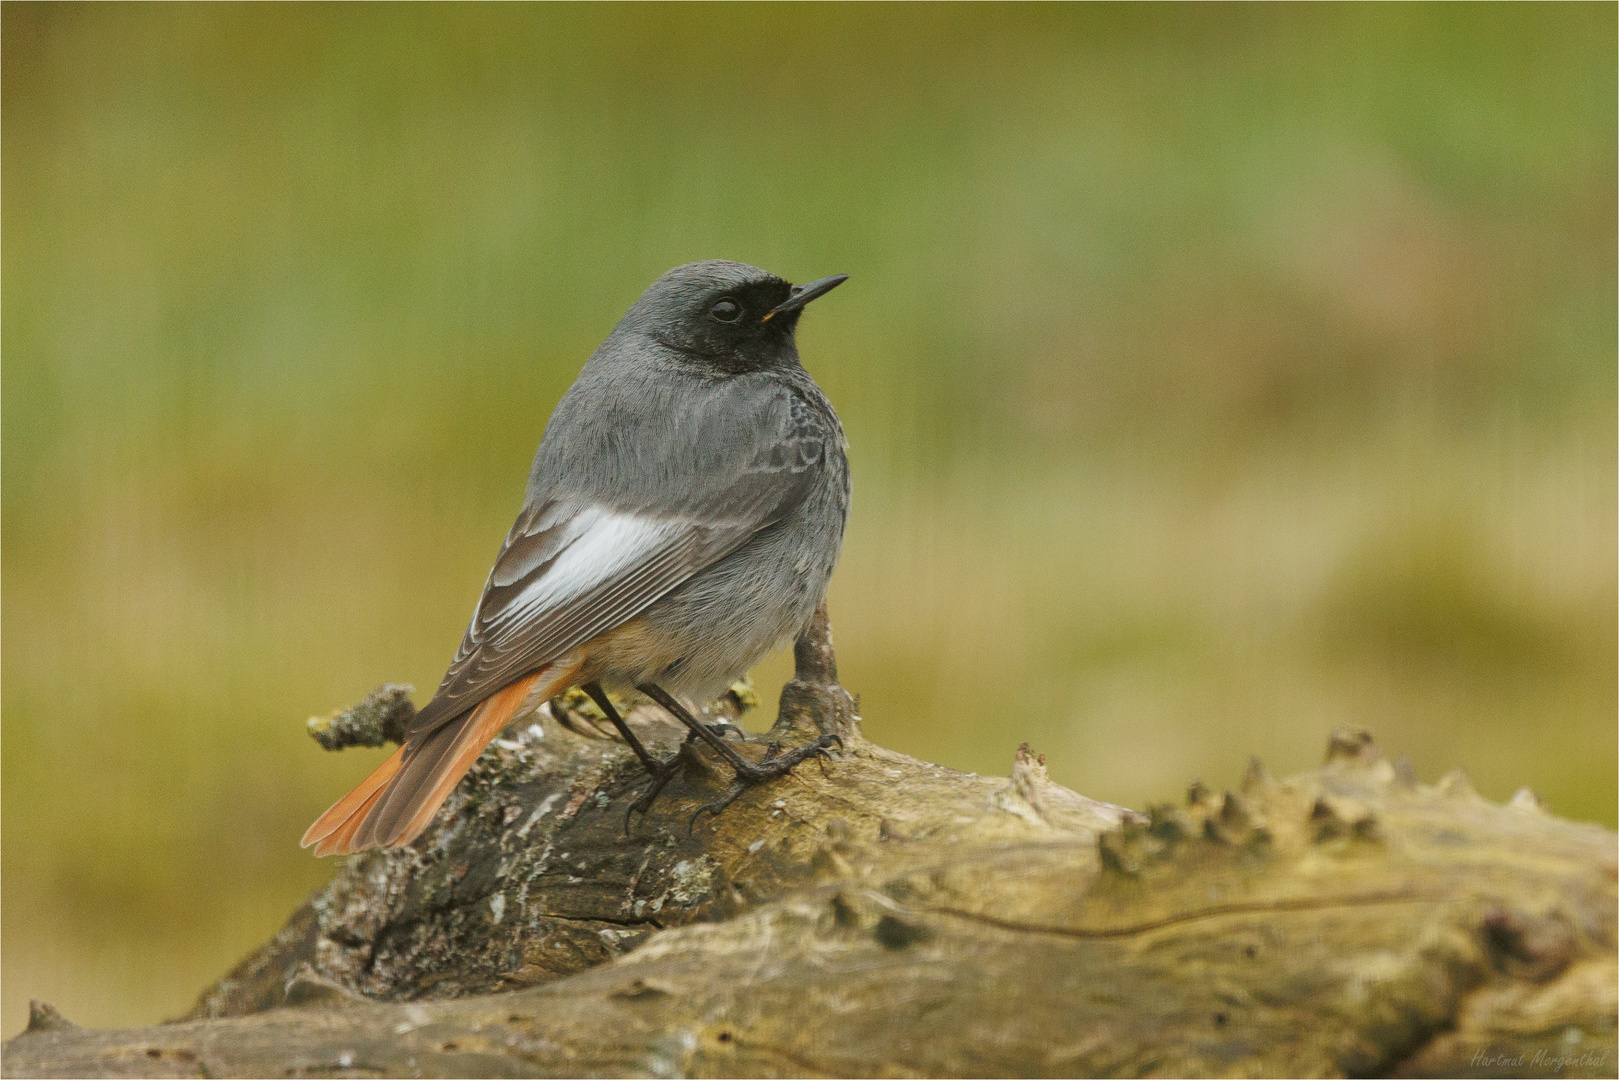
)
(663, 771)
(772, 765)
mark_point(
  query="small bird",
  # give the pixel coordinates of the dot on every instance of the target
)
(682, 518)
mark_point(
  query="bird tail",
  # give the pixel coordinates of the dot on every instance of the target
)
(395, 803)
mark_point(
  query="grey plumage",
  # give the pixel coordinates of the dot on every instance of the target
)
(692, 481)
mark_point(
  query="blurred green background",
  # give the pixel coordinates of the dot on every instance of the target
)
(1214, 377)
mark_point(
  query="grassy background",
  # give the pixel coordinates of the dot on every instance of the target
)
(1214, 377)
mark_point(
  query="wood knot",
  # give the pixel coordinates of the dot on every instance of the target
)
(831, 859)
(1134, 845)
(44, 1017)
(1352, 745)
(641, 990)
(896, 934)
(1334, 817)
(829, 864)
(1168, 823)
(846, 911)
(813, 700)
(1256, 778)
(381, 718)
(888, 829)
(1236, 823)
(1526, 800)
(1528, 946)
(1456, 785)
(1119, 853)
(1029, 778)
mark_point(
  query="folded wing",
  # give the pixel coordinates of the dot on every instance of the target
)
(574, 567)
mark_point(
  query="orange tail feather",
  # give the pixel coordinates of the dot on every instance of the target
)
(351, 825)
(487, 721)
(344, 836)
(354, 803)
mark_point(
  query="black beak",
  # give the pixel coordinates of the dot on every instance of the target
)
(803, 294)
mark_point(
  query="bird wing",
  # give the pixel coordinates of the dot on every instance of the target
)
(574, 566)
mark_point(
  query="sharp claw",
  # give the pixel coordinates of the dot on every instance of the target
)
(731, 795)
(639, 805)
(644, 803)
(822, 752)
(665, 773)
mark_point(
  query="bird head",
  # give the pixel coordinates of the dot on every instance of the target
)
(725, 315)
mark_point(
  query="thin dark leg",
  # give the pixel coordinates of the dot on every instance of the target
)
(660, 771)
(748, 773)
(605, 704)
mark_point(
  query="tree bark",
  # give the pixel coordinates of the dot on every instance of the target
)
(881, 916)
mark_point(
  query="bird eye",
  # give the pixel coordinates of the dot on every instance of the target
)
(726, 311)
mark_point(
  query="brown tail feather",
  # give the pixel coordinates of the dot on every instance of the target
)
(393, 807)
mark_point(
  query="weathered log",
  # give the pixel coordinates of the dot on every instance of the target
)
(885, 916)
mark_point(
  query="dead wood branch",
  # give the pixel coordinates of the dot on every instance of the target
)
(885, 916)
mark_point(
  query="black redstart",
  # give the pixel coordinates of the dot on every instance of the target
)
(682, 518)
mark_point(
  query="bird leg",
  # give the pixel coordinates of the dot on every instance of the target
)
(661, 771)
(748, 773)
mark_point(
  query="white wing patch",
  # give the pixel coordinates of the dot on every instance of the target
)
(598, 545)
